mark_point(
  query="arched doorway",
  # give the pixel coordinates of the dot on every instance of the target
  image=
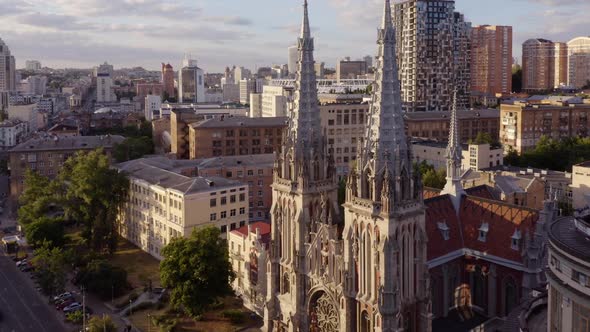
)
(365, 325)
(323, 314)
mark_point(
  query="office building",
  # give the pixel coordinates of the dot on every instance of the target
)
(234, 136)
(33, 65)
(231, 93)
(47, 155)
(7, 69)
(347, 69)
(153, 103)
(578, 62)
(247, 86)
(523, 123)
(274, 101)
(491, 59)
(544, 65)
(241, 73)
(292, 60)
(433, 52)
(164, 205)
(568, 274)
(191, 84)
(168, 81)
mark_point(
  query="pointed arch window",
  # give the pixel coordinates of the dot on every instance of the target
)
(483, 232)
(515, 240)
(444, 230)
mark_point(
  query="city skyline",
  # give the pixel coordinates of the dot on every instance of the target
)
(83, 33)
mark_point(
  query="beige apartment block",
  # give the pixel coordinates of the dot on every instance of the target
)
(491, 59)
(523, 124)
(578, 62)
(475, 157)
(164, 205)
(581, 185)
(544, 65)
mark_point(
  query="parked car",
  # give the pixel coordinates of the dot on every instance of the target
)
(21, 262)
(72, 307)
(65, 295)
(65, 303)
(28, 268)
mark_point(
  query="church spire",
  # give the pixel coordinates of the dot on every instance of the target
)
(454, 156)
(305, 31)
(386, 147)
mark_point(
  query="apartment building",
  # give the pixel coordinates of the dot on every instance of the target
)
(47, 155)
(491, 59)
(475, 157)
(248, 253)
(578, 62)
(523, 124)
(163, 205)
(544, 65)
(581, 185)
(12, 132)
(235, 136)
(435, 125)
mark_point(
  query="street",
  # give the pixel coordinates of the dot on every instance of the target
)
(22, 306)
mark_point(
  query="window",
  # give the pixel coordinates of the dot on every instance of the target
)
(259, 193)
(242, 223)
(260, 183)
(224, 230)
(228, 174)
(223, 214)
(515, 240)
(240, 174)
(242, 210)
(250, 172)
(232, 213)
(223, 200)
(261, 172)
(483, 232)
(213, 202)
(556, 263)
(232, 198)
(444, 230)
(242, 197)
(580, 277)
(232, 226)
(213, 217)
(260, 203)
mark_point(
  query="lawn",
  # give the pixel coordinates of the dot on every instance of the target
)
(212, 320)
(141, 267)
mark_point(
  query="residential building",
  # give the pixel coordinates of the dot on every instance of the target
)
(581, 185)
(168, 81)
(105, 68)
(12, 132)
(578, 62)
(7, 69)
(347, 69)
(29, 114)
(153, 103)
(104, 88)
(33, 65)
(544, 65)
(491, 59)
(568, 274)
(34, 85)
(320, 70)
(64, 129)
(47, 155)
(163, 205)
(247, 86)
(241, 73)
(474, 157)
(235, 136)
(292, 59)
(433, 53)
(144, 89)
(255, 105)
(435, 125)
(248, 254)
(191, 84)
(523, 123)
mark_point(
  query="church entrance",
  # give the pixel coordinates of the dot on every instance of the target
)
(323, 314)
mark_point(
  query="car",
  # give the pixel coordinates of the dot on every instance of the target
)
(72, 307)
(65, 295)
(21, 262)
(65, 303)
(28, 268)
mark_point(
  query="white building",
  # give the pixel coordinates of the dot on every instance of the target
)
(33, 65)
(474, 157)
(153, 103)
(164, 205)
(191, 82)
(578, 62)
(248, 253)
(241, 73)
(105, 68)
(274, 101)
(255, 105)
(104, 89)
(12, 133)
(7, 69)
(247, 86)
(35, 85)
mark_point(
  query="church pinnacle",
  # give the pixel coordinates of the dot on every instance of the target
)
(454, 188)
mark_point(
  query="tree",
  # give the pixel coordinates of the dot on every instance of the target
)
(46, 231)
(101, 324)
(94, 197)
(102, 278)
(38, 198)
(50, 268)
(196, 270)
(516, 79)
(133, 148)
(430, 176)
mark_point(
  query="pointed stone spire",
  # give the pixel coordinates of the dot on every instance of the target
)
(454, 156)
(305, 31)
(386, 146)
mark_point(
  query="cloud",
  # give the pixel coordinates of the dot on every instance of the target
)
(154, 8)
(54, 21)
(230, 20)
(10, 7)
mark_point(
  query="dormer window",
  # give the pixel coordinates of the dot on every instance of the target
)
(483, 232)
(515, 240)
(444, 230)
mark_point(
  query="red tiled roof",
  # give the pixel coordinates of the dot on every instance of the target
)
(502, 219)
(430, 192)
(482, 191)
(264, 229)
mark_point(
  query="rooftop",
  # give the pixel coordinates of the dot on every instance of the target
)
(68, 143)
(240, 121)
(584, 164)
(570, 238)
(167, 179)
(476, 114)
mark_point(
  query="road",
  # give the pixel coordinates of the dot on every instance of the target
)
(23, 308)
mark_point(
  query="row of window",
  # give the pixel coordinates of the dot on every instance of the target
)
(223, 200)
(223, 214)
(245, 132)
(232, 226)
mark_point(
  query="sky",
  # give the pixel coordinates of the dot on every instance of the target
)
(250, 33)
